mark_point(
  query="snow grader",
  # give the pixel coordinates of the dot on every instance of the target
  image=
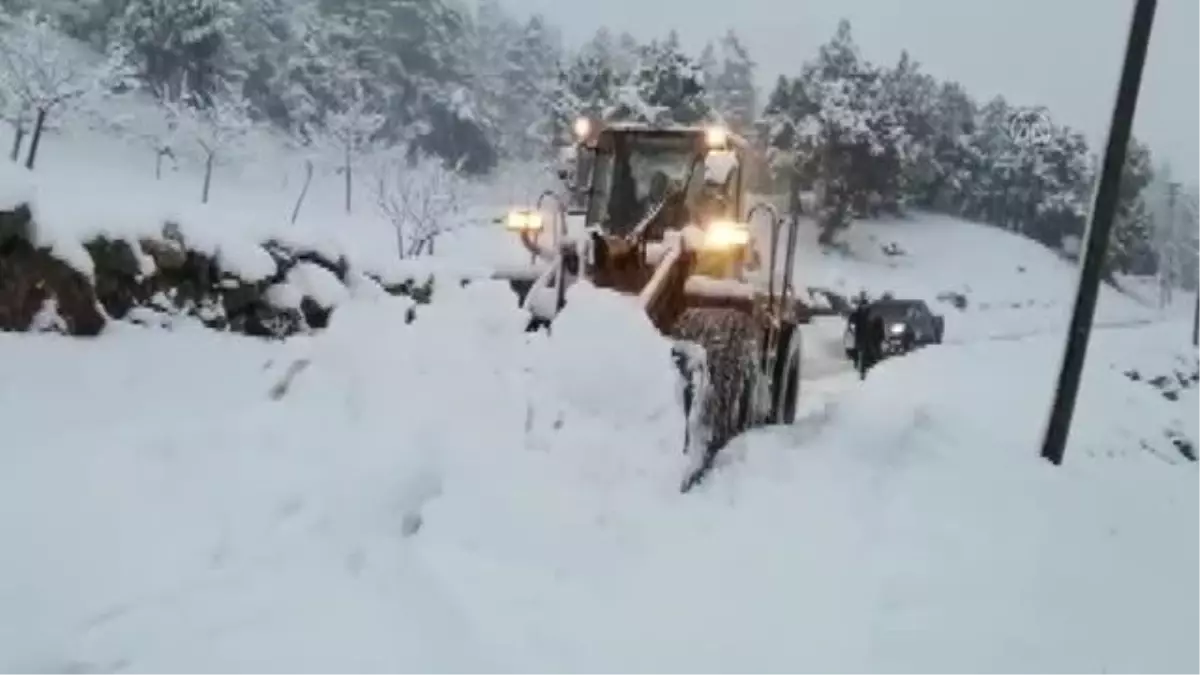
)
(660, 214)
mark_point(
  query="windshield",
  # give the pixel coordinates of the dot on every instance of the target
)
(895, 311)
(657, 164)
(643, 169)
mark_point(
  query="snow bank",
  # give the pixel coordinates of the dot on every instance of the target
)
(95, 234)
(605, 336)
(452, 493)
(607, 388)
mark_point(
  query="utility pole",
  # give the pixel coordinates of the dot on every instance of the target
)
(1095, 245)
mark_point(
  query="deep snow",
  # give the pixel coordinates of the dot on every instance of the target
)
(458, 495)
(454, 495)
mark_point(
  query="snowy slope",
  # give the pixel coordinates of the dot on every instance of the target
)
(457, 495)
(94, 181)
(403, 506)
(1012, 285)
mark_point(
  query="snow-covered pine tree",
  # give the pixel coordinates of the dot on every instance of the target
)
(415, 59)
(266, 50)
(1064, 188)
(586, 86)
(491, 36)
(602, 46)
(625, 55)
(950, 158)
(911, 96)
(710, 68)
(666, 86)
(532, 65)
(835, 122)
(174, 40)
(732, 90)
(986, 193)
(1131, 246)
(92, 22)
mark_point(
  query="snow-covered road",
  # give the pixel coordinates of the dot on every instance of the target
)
(456, 495)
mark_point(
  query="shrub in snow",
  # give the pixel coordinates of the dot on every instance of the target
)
(419, 196)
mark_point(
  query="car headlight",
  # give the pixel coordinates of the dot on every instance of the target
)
(896, 329)
(523, 221)
(725, 234)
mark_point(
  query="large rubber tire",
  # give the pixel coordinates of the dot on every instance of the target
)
(786, 380)
(730, 403)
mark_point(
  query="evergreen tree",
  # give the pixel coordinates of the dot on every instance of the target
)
(530, 77)
(1131, 246)
(666, 86)
(732, 89)
(846, 140)
(587, 86)
(415, 69)
(177, 45)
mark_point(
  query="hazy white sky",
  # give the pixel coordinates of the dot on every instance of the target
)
(1065, 54)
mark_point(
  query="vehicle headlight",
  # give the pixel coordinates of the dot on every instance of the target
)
(523, 221)
(716, 137)
(582, 127)
(725, 234)
(896, 329)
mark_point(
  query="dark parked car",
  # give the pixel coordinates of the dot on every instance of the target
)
(907, 324)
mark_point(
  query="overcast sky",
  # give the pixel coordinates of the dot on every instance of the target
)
(1065, 54)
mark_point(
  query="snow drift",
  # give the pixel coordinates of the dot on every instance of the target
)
(451, 493)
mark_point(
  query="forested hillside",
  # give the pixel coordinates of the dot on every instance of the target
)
(477, 85)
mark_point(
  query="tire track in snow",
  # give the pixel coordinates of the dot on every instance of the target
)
(1022, 335)
(834, 365)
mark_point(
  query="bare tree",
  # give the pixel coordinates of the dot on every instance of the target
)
(14, 110)
(301, 141)
(42, 71)
(217, 123)
(420, 198)
(350, 128)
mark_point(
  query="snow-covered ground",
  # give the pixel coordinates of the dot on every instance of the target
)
(1012, 285)
(91, 183)
(456, 494)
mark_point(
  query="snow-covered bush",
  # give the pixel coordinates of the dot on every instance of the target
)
(419, 196)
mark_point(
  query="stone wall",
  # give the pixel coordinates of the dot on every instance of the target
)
(155, 279)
